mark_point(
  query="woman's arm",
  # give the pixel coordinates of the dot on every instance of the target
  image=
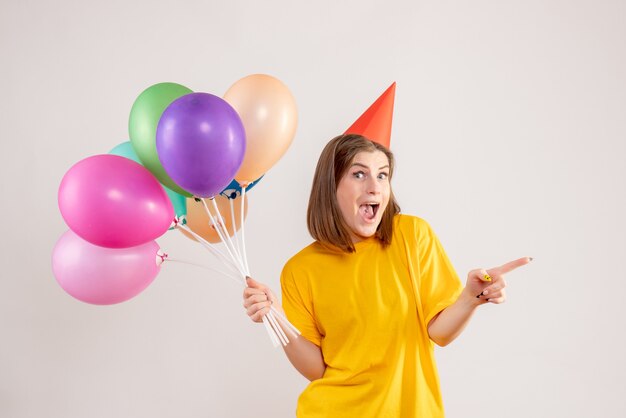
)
(305, 356)
(449, 323)
(483, 286)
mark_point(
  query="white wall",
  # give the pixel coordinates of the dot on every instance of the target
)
(510, 135)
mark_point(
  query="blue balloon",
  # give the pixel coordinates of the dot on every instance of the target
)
(233, 190)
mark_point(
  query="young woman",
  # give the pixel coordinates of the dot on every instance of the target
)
(371, 294)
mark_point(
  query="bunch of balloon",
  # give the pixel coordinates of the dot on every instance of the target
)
(190, 159)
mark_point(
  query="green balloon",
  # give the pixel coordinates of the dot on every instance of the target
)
(142, 126)
(125, 149)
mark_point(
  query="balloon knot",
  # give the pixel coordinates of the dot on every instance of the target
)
(178, 221)
(160, 257)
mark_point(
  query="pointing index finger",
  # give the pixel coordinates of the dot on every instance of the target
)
(510, 266)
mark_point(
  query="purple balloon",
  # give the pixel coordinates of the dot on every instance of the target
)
(103, 276)
(201, 143)
(114, 202)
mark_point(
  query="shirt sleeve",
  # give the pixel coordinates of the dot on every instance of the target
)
(298, 306)
(439, 284)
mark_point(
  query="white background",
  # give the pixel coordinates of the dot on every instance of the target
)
(510, 137)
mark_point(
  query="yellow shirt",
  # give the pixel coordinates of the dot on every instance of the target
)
(368, 311)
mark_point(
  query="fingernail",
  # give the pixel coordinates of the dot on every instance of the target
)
(485, 292)
(487, 278)
(530, 259)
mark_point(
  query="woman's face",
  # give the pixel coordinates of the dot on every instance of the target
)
(363, 193)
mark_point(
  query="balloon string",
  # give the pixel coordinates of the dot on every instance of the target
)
(221, 224)
(274, 331)
(234, 223)
(225, 230)
(217, 253)
(216, 224)
(284, 319)
(273, 328)
(243, 232)
(270, 323)
(218, 229)
(270, 332)
(281, 334)
(230, 276)
(213, 249)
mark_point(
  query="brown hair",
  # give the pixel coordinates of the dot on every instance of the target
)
(324, 219)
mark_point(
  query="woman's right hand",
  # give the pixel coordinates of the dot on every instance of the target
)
(258, 299)
(304, 355)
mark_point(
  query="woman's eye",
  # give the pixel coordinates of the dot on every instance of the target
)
(359, 175)
(383, 176)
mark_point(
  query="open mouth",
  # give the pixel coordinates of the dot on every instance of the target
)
(369, 210)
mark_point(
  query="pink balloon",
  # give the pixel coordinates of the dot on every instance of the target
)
(114, 202)
(103, 276)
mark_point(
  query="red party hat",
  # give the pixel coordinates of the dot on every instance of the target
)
(375, 122)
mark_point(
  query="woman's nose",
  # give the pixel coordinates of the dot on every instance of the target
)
(373, 187)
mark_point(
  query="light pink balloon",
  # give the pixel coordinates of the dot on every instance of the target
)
(114, 202)
(103, 276)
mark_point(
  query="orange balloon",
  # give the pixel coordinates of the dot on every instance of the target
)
(200, 223)
(269, 115)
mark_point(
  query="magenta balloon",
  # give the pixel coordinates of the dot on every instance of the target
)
(103, 276)
(114, 202)
(201, 142)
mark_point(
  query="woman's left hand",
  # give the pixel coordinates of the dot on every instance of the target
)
(487, 286)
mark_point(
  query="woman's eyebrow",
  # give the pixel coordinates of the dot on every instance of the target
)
(364, 166)
(360, 165)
